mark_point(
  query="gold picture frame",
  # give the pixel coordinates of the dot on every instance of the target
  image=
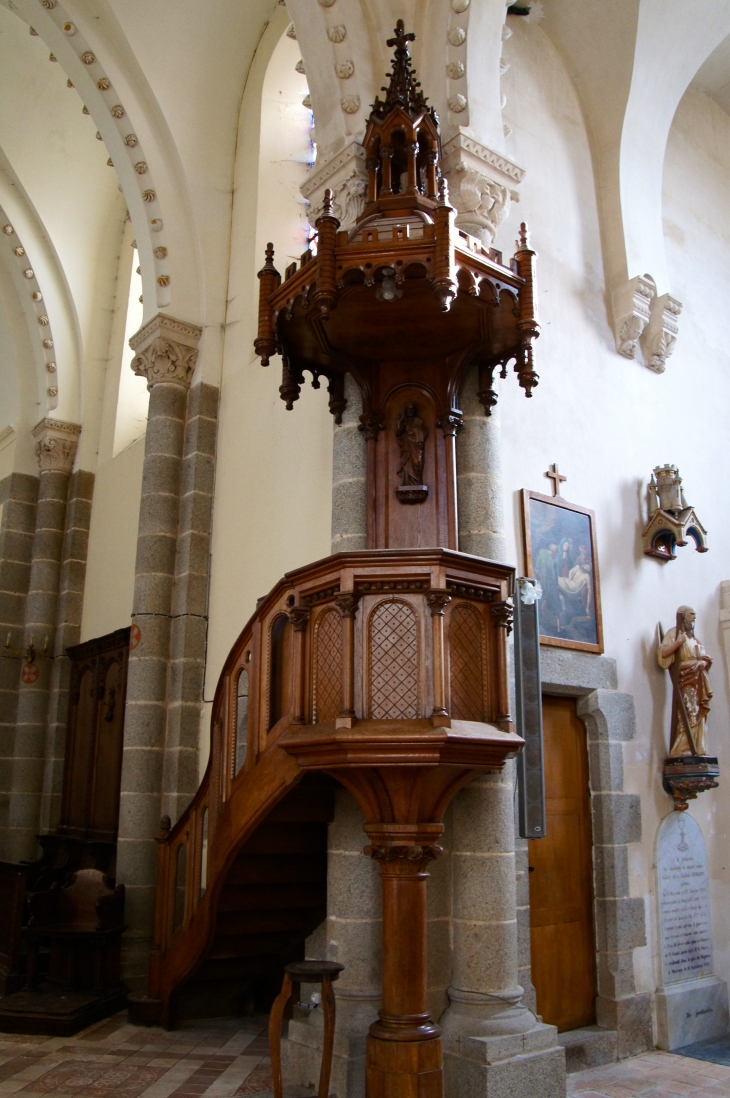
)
(561, 553)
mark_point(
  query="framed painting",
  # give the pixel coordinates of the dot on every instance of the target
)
(560, 552)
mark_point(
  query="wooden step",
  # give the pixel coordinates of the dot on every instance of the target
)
(285, 868)
(232, 924)
(285, 838)
(271, 897)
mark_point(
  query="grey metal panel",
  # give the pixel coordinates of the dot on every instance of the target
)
(528, 687)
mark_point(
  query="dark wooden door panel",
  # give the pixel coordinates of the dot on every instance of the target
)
(561, 877)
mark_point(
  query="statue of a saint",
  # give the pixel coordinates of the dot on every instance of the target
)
(411, 433)
(688, 664)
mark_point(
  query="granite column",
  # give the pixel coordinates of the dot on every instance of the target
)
(56, 444)
(166, 351)
(492, 1041)
(19, 499)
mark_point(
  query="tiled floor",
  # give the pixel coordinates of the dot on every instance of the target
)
(112, 1059)
(229, 1057)
(653, 1075)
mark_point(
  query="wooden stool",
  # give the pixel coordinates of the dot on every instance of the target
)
(305, 972)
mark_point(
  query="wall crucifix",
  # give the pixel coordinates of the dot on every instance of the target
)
(556, 477)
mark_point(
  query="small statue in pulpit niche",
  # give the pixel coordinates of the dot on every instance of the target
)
(411, 432)
(689, 770)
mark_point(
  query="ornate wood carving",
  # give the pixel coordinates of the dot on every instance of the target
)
(405, 303)
(393, 662)
(467, 663)
(327, 667)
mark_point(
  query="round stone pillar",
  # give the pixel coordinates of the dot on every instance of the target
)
(491, 1039)
(349, 473)
(166, 353)
(56, 445)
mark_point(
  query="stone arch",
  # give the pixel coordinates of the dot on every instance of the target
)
(97, 59)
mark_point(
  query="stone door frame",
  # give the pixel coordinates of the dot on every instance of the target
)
(620, 919)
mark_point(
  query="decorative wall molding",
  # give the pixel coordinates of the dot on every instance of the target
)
(480, 185)
(166, 351)
(660, 334)
(41, 333)
(643, 319)
(346, 177)
(631, 310)
(56, 445)
(51, 25)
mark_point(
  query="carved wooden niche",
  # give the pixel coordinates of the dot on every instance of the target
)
(467, 649)
(408, 514)
(326, 666)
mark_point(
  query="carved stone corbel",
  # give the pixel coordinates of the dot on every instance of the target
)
(166, 351)
(481, 186)
(346, 176)
(660, 334)
(56, 445)
(631, 310)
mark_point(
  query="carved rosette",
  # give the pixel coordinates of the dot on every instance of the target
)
(166, 351)
(481, 186)
(56, 445)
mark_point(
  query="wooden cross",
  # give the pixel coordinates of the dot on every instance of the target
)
(555, 477)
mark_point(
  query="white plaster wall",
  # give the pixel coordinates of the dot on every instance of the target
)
(608, 421)
(109, 588)
(272, 508)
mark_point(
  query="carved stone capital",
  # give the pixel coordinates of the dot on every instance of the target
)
(660, 334)
(481, 186)
(631, 310)
(166, 351)
(346, 176)
(56, 444)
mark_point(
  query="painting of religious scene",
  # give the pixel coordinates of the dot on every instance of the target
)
(561, 554)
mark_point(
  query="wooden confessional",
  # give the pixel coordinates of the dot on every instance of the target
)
(77, 866)
(385, 669)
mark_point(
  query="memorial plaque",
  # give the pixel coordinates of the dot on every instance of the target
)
(685, 929)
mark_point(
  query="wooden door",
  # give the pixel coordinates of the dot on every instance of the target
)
(94, 738)
(561, 877)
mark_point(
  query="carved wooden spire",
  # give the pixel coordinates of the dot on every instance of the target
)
(403, 90)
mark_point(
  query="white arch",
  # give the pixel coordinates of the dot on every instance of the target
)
(157, 199)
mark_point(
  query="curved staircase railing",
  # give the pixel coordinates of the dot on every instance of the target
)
(394, 657)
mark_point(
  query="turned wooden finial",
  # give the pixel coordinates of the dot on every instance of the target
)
(269, 259)
(443, 191)
(523, 240)
(327, 204)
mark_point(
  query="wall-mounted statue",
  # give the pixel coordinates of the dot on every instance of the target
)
(689, 769)
(672, 521)
(411, 433)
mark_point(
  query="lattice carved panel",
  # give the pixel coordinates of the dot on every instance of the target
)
(393, 662)
(327, 667)
(466, 645)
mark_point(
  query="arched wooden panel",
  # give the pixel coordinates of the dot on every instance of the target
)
(466, 650)
(327, 667)
(279, 669)
(241, 747)
(393, 662)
